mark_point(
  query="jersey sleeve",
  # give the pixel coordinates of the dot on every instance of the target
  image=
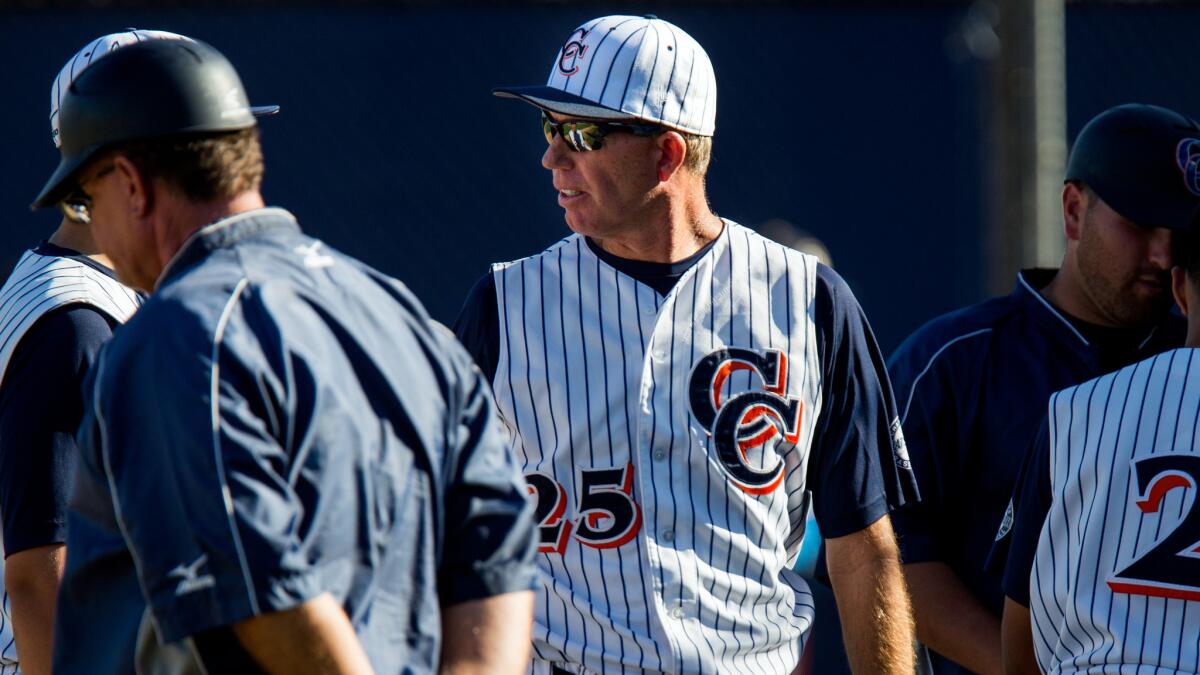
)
(1016, 548)
(488, 536)
(859, 469)
(478, 326)
(932, 422)
(40, 407)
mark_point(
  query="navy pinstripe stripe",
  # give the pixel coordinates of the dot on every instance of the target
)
(1062, 498)
(578, 548)
(1109, 493)
(662, 114)
(760, 607)
(1094, 631)
(757, 607)
(1087, 427)
(782, 607)
(612, 66)
(596, 51)
(733, 619)
(633, 62)
(686, 88)
(553, 420)
(690, 474)
(712, 346)
(675, 502)
(647, 522)
(1192, 435)
(1146, 601)
(587, 407)
(1121, 536)
(653, 71)
(612, 460)
(708, 94)
(502, 287)
(630, 444)
(1183, 390)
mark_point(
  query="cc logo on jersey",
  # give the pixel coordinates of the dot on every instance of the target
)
(748, 419)
(572, 51)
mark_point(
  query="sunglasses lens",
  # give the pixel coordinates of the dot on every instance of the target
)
(548, 128)
(582, 136)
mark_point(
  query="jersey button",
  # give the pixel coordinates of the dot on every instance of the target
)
(677, 613)
(668, 535)
(660, 455)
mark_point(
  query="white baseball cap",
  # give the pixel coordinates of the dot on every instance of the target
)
(629, 67)
(93, 50)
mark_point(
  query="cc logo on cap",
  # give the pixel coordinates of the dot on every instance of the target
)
(1187, 158)
(572, 51)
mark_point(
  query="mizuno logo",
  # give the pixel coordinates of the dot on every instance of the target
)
(189, 579)
(312, 258)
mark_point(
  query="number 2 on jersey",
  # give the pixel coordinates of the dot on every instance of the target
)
(606, 514)
(1171, 568)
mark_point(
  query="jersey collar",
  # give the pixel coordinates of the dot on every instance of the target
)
(223, 234)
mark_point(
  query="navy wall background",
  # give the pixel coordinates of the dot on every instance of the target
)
(854, 124)
(862, 125)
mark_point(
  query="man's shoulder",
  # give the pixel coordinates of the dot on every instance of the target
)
(968, 331)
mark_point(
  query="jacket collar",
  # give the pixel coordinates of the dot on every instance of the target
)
(223, 234)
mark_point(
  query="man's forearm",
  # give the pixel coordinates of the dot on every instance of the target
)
(950, 621)
(867, 581)
(488, 637)
(32, 578)
(1017, 640)
(312, 638)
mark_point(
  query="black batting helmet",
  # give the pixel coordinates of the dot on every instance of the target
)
(149, 90)
(1143, 161)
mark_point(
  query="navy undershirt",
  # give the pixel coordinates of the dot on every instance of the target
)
(41, 405)
(857, 403)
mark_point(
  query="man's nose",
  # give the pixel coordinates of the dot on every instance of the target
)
(1161, 249)
(557, 155)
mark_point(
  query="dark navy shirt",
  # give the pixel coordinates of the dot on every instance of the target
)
(41, 404)
(857, 402)
(280, 421)
(972, 387)
(1016, 543)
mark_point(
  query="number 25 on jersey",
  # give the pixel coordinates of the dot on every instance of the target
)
(606, 515)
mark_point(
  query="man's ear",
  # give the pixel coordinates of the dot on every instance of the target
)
(673, 151)
(1074, 206)
(135, 185)
(1179, 288)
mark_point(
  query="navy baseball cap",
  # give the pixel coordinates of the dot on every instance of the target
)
(1144, 162)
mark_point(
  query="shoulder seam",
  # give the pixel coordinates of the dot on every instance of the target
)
(913, 389)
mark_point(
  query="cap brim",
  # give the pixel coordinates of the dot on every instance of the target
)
(58, 185)
(561, 102)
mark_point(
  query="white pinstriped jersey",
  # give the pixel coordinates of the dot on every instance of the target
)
(38, 285)
(42, 283)
(1116, 577)
(666, 441)
(8, 645)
